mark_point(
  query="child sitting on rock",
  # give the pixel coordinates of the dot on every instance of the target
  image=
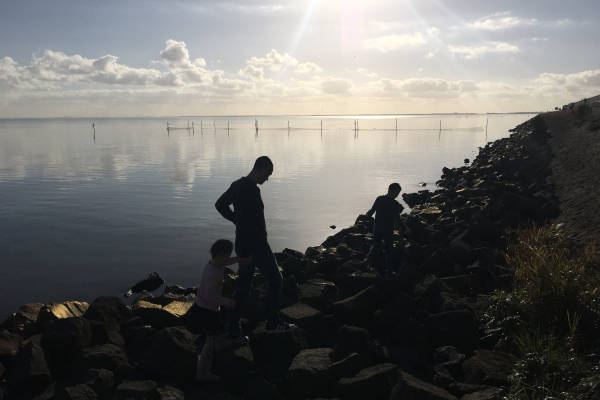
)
(203, 316)
(387, 210)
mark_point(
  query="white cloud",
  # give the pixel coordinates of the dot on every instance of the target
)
(501, 21)
(252, 72)
(336, 86)
(471, 52)
(428, 87)
(365, 72)
(388, 43)
(274, 61)
(308, 68)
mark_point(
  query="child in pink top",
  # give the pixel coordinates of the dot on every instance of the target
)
(204, 315)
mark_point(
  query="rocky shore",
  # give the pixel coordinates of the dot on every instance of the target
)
(420, 335)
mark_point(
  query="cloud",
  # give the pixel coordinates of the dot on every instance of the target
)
(336, 86)
(428, 87)
(471, 52)
(274, 61)
(365, 72)
(388, 43)
(308, 68)
(252, 72)
(501, 21)
(585, 80)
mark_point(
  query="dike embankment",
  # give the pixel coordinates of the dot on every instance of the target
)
(417, 336)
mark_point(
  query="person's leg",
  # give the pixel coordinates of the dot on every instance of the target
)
(388, 238)
(242, 289)
(375, 246)
(205, 359)
(267, 264)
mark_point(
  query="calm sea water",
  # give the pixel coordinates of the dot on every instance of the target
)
(83, 216)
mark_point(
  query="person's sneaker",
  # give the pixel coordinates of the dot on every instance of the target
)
(279, 326)
(207, 377)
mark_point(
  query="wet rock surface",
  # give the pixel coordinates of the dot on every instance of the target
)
(415, 336)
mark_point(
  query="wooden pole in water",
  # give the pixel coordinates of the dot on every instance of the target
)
(321, 127)
(227, 127)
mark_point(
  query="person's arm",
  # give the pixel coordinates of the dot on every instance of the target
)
(214, 286)
(372, 210)
(241, 260)
(223, 205)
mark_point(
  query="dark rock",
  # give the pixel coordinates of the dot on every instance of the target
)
(101, 380)
(152, 282)
(138, 338)
(234, 362)
(318, 293)
(466, 284)
(158, 316)
(9, 344)
(259, 388)
(77, 392)
(449, 358)
(454, 328)
(172, 353)
(24, 320)
(63, 341)
(487, 367)
(109, 311)
(302, 315)
(492, 393)
(291, 261)
(374, 382)
(347, 366)
(357, 309)
(56, 311)
(29, 369)
(307, 375)
(102, 334)
(170, 393)
(274, 351)
(2, 370)
(409, 387)
(107, 356)
(138, 390)
(352, 339)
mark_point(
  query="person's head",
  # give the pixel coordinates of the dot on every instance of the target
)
(263, 168)
(394, 190)
(220, 251)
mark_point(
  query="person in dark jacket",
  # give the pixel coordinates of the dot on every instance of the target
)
(251, 241)
(387, 212)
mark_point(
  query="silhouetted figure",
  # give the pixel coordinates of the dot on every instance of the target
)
(387, 211)
(251, 241)
(152, 282)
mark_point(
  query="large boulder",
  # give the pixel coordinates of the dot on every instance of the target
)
(63, 341)
(492, 393)
(29, 370)
(302, 315)
(77, 392)
(108, 310)
(347, 366)
(235, 362)
(352, 339)
(101, 380)
(488, 367)
(172, 353)
(67, 309)
(318, 293)
(9, 344)
(374, 382)
(24, 320)
(359, 308)
(308, 375)
(410, 388)
(159, 316)
(138, 390)
(107, 356)
(454, 328)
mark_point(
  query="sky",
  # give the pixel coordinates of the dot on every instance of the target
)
(92, 58)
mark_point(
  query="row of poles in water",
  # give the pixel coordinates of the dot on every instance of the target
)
(191, 128)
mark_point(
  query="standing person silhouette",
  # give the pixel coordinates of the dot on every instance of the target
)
(251, 241)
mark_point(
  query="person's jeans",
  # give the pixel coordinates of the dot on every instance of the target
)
(263, 258)
(388, 239)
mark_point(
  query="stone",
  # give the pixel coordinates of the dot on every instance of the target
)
(107, 356)
(374, 382)
(9, 344)
(170, 393)
(454, 328)
(352, 339)
(30, 369)
(302, 315)
(178, 308)
(172, 353)
(138, 390)
(102, 334)
(307, 375)
(347, 366)
(274, 351)
(78, 392)
(489, 368)
(24, 320)
(318, 293)
(68, 309)
(63, 341)
(101, 380)
(408, 387)
(258, 388)
(234, 362)
(2, 370)
(358, 308)
(493, 393)
(154, 314)
(108, 310)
